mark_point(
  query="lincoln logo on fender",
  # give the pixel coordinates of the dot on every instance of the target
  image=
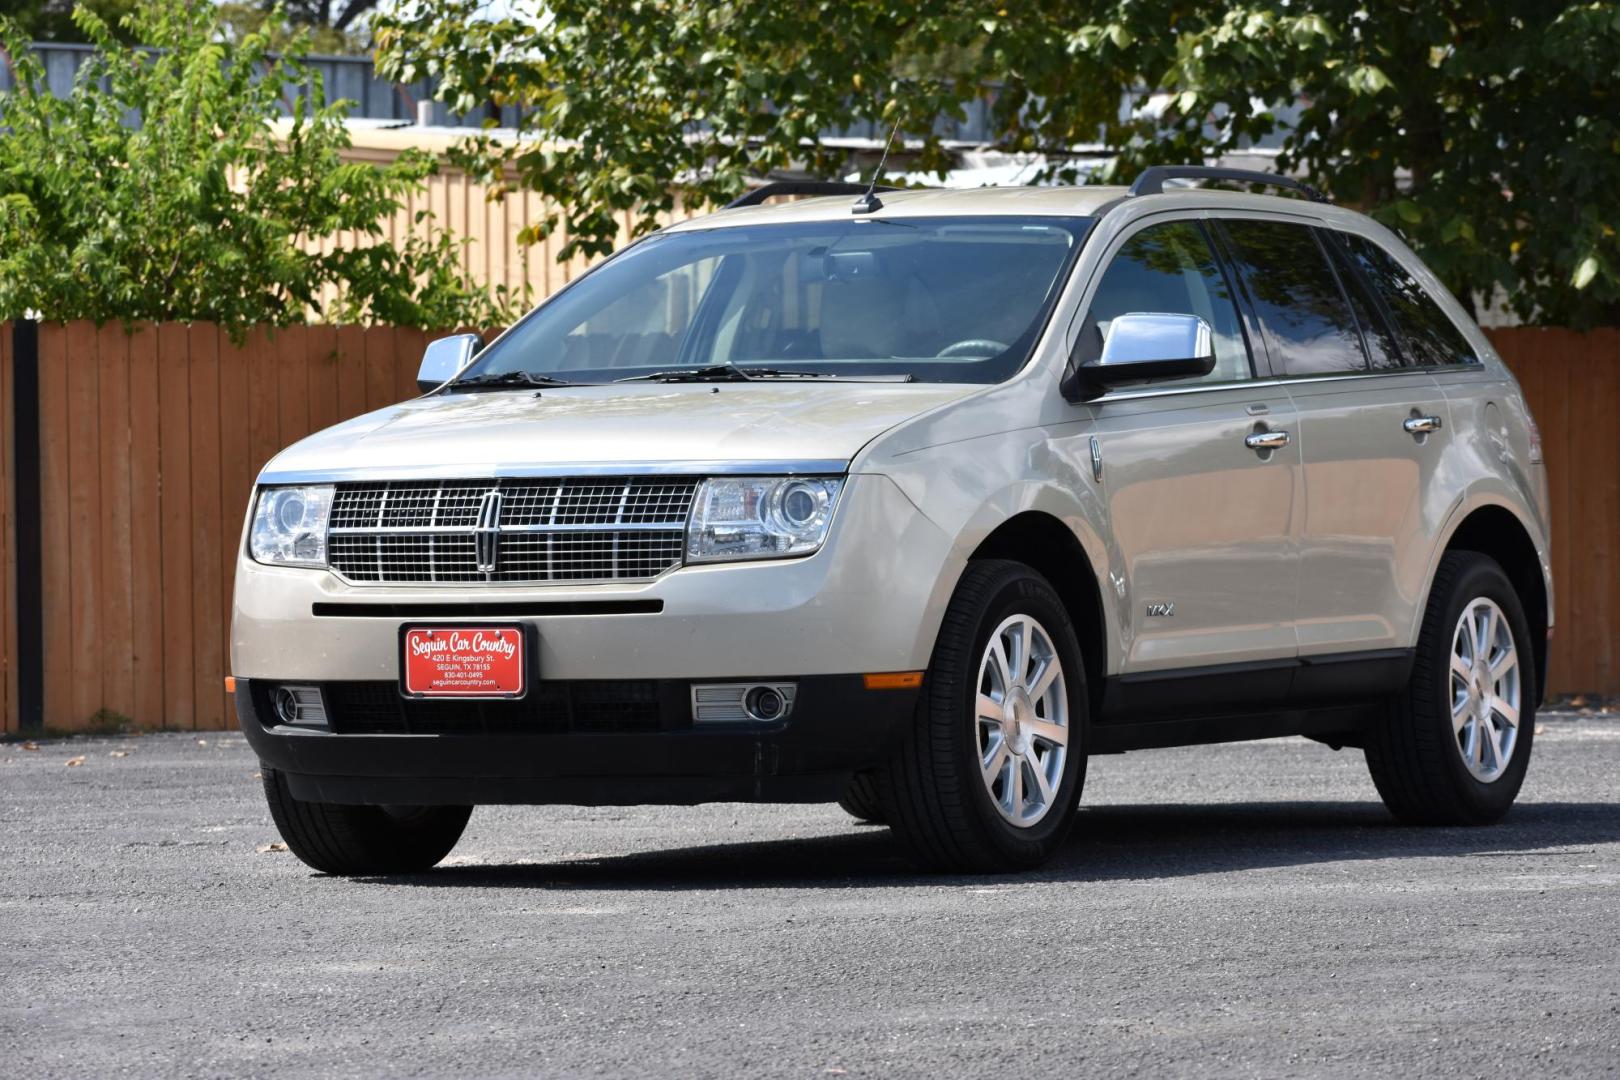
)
(487, 532)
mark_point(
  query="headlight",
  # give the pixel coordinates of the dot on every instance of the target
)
(760, 517)
(289, 525)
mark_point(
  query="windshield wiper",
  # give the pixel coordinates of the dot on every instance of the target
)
(726, 373)
(505, 379)
(712, 373)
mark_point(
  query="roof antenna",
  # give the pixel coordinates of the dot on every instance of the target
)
(869, 202)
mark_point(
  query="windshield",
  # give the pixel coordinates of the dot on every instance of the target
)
(932, 299)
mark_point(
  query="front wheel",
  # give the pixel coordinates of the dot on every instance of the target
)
(1453, 749)
(989, 777)
(337, 838)
(860, 798)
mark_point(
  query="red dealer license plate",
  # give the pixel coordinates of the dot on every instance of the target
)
(463, 661)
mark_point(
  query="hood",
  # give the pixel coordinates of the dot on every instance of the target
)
(488, 433)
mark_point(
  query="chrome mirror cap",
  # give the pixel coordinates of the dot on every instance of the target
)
(1153, 337)
(1142, 346)
(444, 358)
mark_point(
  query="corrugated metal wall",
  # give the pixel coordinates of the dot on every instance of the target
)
(348, 78)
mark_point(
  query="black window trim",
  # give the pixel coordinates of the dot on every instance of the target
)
(1260, 346)
(1229, 275)
(1336, 238)
(1349, 304)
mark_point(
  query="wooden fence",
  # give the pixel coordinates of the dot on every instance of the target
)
(149, 443)
(1572, 382)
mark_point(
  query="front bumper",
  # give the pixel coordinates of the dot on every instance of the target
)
(836, 727)
(870, 600)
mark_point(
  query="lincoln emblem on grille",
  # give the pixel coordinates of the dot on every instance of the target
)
(487, 532)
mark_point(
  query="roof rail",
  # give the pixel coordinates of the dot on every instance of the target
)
(801, 187)
(1151, 182)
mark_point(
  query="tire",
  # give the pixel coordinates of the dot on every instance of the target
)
(933, 790)
(335, 838)
(1429, 770)
(860, 800)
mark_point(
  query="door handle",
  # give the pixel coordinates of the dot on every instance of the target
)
(1421, 425)
(1266, 440)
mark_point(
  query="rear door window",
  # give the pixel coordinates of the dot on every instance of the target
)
(1432, 339)
(1308, 324)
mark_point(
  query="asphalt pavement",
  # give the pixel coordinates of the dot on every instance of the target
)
(1242, 910)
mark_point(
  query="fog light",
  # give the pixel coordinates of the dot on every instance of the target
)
(299, 705)
(764, 703)
(741, 702)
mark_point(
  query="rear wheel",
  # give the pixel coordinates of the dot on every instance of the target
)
(336, 838)
(989, 777)
(1453, 749)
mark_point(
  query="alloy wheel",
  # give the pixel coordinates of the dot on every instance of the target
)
(1022, 721)
(1485, 689)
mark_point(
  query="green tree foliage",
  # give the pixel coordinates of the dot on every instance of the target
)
(168, 187)
(52, 20)
(1489, 134)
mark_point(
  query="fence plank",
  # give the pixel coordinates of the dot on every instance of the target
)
(380, 345)
(147, 655)
(351, 370)
(84, 522)
(1557, 364)
(263, 396)
(1568, 367)
(115, 651)
(1569, 496)
(1598, 500)
(175, 454)
(408, 346)
(294, 384)
(57, 614)
(236, 471)
(207, 606)
(320, 353)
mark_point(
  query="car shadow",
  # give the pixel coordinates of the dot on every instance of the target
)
(1109, 843)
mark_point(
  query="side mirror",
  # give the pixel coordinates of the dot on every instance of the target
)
(443, 358)
(1144, 346)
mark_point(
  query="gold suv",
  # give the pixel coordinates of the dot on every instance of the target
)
(914, 504)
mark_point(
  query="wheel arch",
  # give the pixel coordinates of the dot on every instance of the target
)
(1495, 529)
(1043, 542)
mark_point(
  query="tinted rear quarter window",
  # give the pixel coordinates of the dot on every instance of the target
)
(1384, 350)
(1308, 323)
(1432, 339)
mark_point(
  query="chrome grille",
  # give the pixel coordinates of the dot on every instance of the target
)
(553, 530)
